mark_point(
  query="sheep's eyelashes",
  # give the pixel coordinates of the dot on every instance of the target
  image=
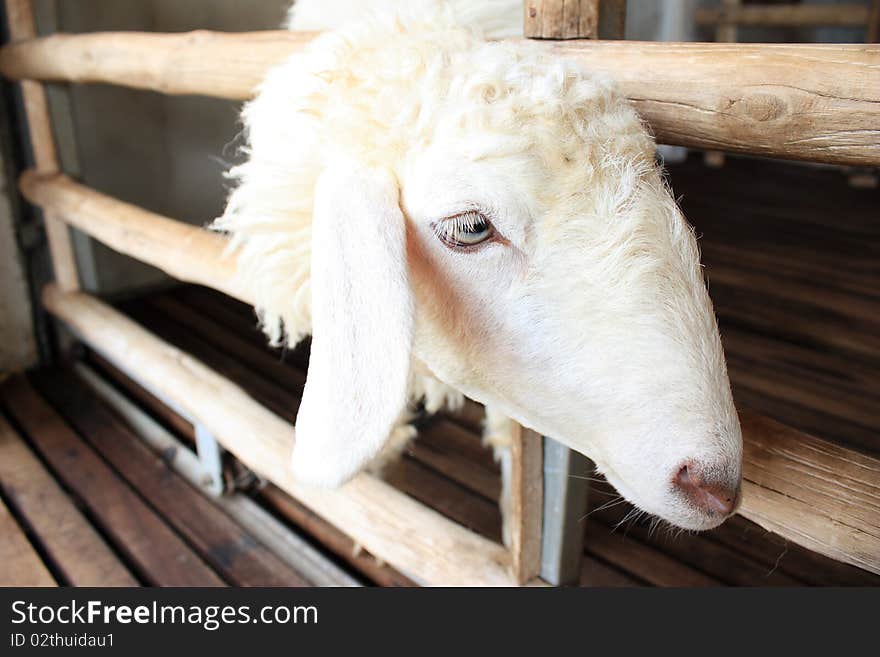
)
(464, 231)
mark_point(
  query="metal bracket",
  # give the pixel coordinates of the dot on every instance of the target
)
(208, 450)
(566, 482)
(210, 459)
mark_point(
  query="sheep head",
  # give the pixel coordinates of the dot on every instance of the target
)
(428, 203)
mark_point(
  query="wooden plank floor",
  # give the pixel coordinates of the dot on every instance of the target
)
(84, 502)
(20, 565)
(65, 533)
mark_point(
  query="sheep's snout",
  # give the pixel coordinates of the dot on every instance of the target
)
(716, 495)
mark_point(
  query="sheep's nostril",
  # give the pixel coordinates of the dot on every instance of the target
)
(683, 478)
(709, 496)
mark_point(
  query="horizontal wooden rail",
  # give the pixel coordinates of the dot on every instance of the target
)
(812, 492)
(795, 101)
(785, 15)
(818, 103)
(184, 252)
(419, 541)
(815, 493)
(220, 64)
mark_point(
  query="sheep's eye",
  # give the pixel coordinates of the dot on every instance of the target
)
(464, 230)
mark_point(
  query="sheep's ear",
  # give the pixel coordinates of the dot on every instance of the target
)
(362, 325)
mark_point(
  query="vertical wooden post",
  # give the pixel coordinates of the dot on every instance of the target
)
(574, 19)
(561, 19)
(873, 33)
(727, 32)
(526, 503)
(565, 472)
(20, 18)
(612, 19)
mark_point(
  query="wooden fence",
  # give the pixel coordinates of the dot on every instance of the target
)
(807, 102)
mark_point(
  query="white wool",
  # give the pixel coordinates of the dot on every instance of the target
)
(588, 322)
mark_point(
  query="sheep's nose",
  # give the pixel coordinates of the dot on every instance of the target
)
(714, 497)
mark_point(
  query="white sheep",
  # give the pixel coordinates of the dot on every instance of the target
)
(446, 214)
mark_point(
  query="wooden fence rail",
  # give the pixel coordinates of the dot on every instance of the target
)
(812, 492)
(421, 542)
(184, 252)
(795, 101)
